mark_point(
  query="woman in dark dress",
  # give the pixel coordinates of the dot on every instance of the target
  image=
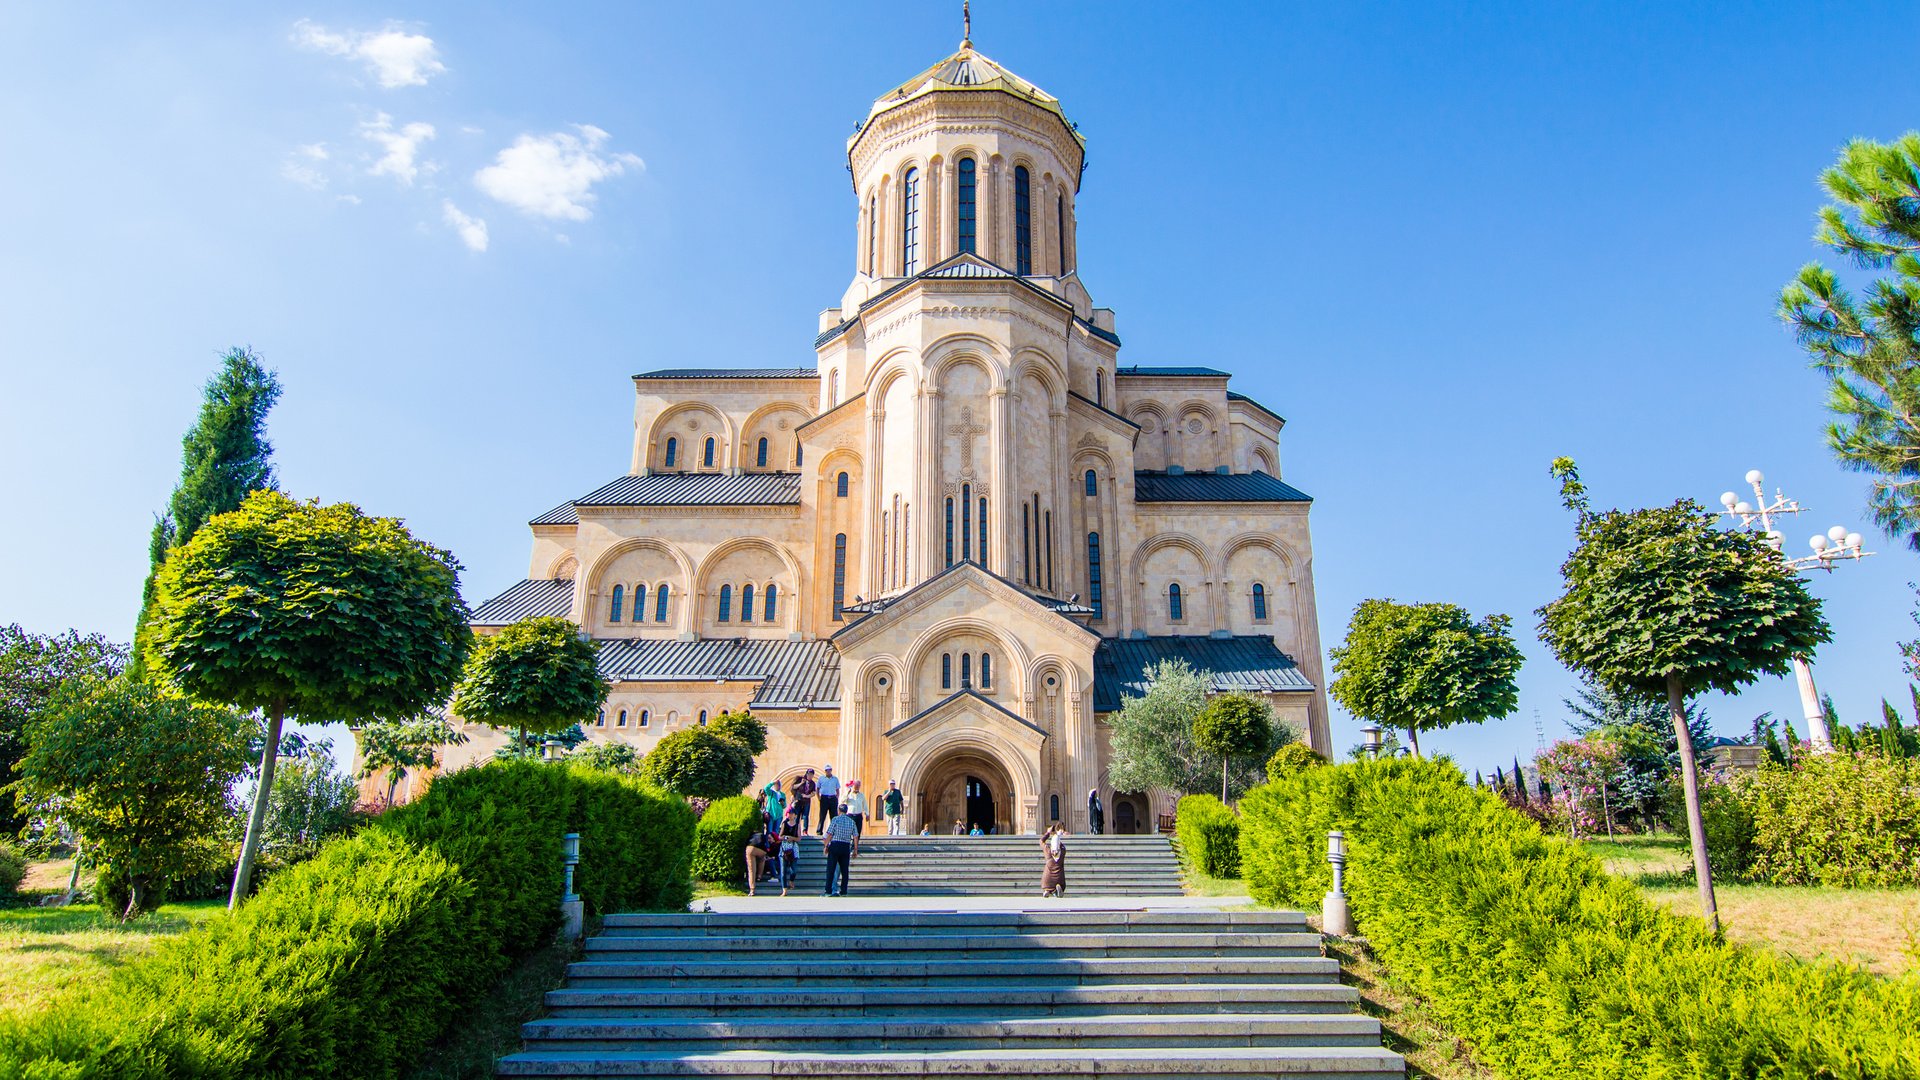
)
(1053, 847)
(1096, 813)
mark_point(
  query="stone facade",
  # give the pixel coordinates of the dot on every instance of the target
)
(966, 496)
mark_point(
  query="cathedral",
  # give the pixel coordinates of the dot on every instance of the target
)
(948, 547)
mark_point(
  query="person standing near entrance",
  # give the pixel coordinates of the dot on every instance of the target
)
(893, 806)
(1096, 813)
(857, 805)
(841, 841)
(776, 809)
(1053, 848)
(829, 791)
(803, 789)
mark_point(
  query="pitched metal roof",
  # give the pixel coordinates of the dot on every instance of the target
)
(967, 268)
(1175, 372)
(1214, 487)
(968, 692)
(560, 515)
(731, 373)
(532, 597)
(1122, 666)
(1233, 396)
(791, 674)
(697, 489)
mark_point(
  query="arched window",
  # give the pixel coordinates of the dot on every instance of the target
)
(983, 532)
(600, 718)
(949, 530)
(966, 522)
(1093, 574)
(1100, 387)
(910, 223)
(1026, 544)
(706, 459)
(660, 602)
(703, 718)
(726, 602)
(1173, 602)
(873, 232)
(1093, 483)
(1259, 601)
(1053, 807)
(966, 202)
(746, 603)
(760, 459)
(640, 603)
(623, 719)
(839, 576)
(773, 602)
(966, 670)
(619, 594)
(1060, 229)
(840, 486)
(673, 450)
(946, 671)
(986, 671)
(643, 718)
(833, 388)
(1022, 222)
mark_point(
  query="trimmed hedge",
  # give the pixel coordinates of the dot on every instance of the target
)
(1292, 758)
(1546, 964)
(720, 839)
(1209, 835)
(348, 965)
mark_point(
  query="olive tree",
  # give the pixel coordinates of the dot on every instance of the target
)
(1423, 667)
(1234, 726)
(318, 612)
(537, 675)
(1660, 603)
(401, 746)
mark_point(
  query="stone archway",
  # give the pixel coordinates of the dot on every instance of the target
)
(964, 785)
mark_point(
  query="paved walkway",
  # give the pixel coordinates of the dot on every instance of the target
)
(853, 902)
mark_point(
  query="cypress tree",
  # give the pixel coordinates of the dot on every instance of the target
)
(1520, 782)
(223, 456)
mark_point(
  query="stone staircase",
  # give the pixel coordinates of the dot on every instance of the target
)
(996, 866)
(1160, 994)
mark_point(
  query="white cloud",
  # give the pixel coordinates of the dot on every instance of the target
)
(472, 230)
(312, 151)
(401, 147)
(305, 175)
(552, 176)
(350, 200)
(395, 57)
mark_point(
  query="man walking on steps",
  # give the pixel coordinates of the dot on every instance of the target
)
(829, 788)
(803, 789)
(841, 840)
(893, 807)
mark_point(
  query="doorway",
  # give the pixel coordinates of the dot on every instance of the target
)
(980, 806)
(1124, 821)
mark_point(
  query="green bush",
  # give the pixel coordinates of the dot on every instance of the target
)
(699, 764)
(349, 964)
(744, 728)
(1209, 835)
(13, 867)
(1846, 820)
(1547, 965)
(720, 839)
(1292, 758)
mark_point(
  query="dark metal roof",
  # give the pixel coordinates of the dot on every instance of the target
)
(967, 268)
(697, 489)
(960, 265)
(1052, 603)
(1232, 396)
(731, 373)
(1121, 666)
(1096, 331)
(1214, 487)
(1176, 372)
(970, 693)
(1082, 398)
(791, 674)
(532, 597)
(559, 515)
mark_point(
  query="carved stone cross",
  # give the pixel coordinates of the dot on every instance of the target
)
(966, 429)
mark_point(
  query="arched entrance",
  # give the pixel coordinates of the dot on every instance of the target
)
(963, 788)
(1128, 814)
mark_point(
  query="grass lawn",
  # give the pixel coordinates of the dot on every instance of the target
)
(1879, 928)
(47, 952)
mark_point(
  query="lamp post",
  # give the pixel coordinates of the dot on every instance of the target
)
(1828, 549)
(1334, 916)
(1370, 738)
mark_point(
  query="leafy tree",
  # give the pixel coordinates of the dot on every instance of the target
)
(1292, 758)
(142, 773)
(1152, 735)
(1389, 746)
(1661, 601)
(401, 746)
(33, 669)
(319, 612)
(1423, 667)
(533, 745)
(312, 801)
(742, 727)
(1649, 752)
(224, 456)
(535, 676)
(607, 756)
(699, 764)
(1234, 726)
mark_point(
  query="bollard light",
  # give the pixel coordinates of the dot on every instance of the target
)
(1370, 738)
(1334, 916)
(570, 852)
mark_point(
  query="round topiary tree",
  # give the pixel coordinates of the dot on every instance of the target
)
(742, 727)
(537, 675)
(317, 612)
(1422, 667)
(697, 763)
(1234, 726)
(1291, 760)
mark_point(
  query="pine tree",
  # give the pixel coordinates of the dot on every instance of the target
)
(1520, 787)
(1833, 714)
(224, 455)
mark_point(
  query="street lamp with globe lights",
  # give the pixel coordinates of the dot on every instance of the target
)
(1838, 543)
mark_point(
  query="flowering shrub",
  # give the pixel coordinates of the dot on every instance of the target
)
(1579, 771)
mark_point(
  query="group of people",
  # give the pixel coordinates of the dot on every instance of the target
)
(773, 851)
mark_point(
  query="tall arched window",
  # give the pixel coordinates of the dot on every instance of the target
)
(1259, 601)
(966, 670)
(833, 388)
(1093, 574)
(673, 450)
(840, 486)
(949, 530)
(1026, 544)
(946, 671)
(644, 717)
(1173, 602)
(1053, 805)
(660, 605)
(640, 603)
(773, 603)
(1100, 387)
(600, 718)
(965, 201)
(986, 671)
(839, 576)
(1060, 229)
(1022, 222)
(966, 522)
(983, 532)
(746, 603)
(623, 719)
(760, 459)
(873, 233)
(910, 223)
(703, 718)
(1093, 483)
(619, 594)
(726, 602)
(706, 459)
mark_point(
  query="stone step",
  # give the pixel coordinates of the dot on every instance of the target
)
(896, 946)
(947, 972)
(815, 923)
(807, 1002)
(1353, 1062)
(867, 1034)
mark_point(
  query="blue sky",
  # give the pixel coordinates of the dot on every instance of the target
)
(1446, 245)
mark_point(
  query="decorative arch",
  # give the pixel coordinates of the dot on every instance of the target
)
(1198, 405)
(929, 640)
(780, 440)
(895, 364)
(641, 543)
(746, 543)
(1094, 457)
(723, 428)
(1017, 767)
(1264, 460)
(1183, 541)
(564, 568)
(1040, 365)
(1262, 540)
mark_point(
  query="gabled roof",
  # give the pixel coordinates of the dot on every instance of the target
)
(560, 515)
(1245, 400)
(1121, 666)
(791, 674)
(1213, 487)
(880, 604)
(966, 693)
(697, 489)
(962, 265)
(1171, 372)
(529, 599)
(731, 373)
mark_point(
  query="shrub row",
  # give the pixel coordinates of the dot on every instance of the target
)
(720, 839)
(1546, 964)
(1209, 835)
(348, 965)
(1845, 820)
